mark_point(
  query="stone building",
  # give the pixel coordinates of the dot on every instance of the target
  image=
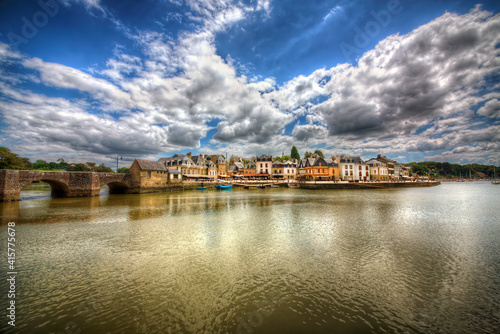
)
(152, 176)
(221, 164)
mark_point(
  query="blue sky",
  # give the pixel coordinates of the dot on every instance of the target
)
(87, 80)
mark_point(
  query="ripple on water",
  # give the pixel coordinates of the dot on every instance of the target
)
(398, 261)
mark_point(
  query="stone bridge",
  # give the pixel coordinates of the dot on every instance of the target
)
(63, 184)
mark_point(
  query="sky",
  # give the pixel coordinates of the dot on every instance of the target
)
(90, 80)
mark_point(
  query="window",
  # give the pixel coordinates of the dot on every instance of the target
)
(351, 173)
(346, 173)
(149, 174)
(359, 167)
(350, 167)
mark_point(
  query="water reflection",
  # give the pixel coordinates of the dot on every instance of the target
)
(370, 261)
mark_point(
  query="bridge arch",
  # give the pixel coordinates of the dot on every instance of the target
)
(117, 187)
(58, 189)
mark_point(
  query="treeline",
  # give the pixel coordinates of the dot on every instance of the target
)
(452, 171)
(9, 160)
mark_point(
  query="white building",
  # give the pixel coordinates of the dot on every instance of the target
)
(264, 164)
(353, 169)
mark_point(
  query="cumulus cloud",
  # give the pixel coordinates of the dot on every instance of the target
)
(58, 75)
(490, 109)
(306, 132)
(411, 93)
(41, 122)
(407, 81)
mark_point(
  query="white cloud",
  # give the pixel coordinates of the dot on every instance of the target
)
(433, 75)
(58, 75)
(490, 109)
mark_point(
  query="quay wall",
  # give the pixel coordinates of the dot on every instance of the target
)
(368, 185)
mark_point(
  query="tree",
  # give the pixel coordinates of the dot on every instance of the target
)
(62, 164)
(91, 165)
(9, 160)
(124, 170)
(295, 153)
(103, 169)
(283, 158)
(308, 154)
(320, 153)
(41, 165)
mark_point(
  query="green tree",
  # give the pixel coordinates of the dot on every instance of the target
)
(103, 169)
(124, 170)
(41, 165)
(307, 154)
(283, 158)
(295, 153)
(91, 165)
(9, 160)
(320, 153)
(62, 164)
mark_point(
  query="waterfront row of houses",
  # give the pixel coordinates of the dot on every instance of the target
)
(211, 167)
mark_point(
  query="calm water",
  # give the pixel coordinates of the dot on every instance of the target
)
(259, 261)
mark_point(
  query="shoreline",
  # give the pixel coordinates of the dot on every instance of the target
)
(367, 185)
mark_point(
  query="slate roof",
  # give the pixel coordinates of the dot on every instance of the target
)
(151, 165)
(354, 160)
(331, 162)
(173, 171)
(218, 158)
(375, 162)
(264, 158)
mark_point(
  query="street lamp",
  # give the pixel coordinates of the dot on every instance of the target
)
(118, 158)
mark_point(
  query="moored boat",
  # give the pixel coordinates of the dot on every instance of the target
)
(495, 181)
(293, 185)
(201, 188)
(224, 186)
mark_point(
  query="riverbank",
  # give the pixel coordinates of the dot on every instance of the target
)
(366, 185)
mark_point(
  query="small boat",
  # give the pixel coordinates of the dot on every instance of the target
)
(246, 186)
(495, 181)
(201, 188)
(293, 185)
(274, 186)
(261, 187)
(224, 186)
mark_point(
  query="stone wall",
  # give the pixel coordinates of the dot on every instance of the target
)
(63, 184)
(87, 184)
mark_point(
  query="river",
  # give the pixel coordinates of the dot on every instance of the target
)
(416, 260)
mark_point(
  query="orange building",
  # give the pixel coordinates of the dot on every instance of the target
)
(317, 168)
